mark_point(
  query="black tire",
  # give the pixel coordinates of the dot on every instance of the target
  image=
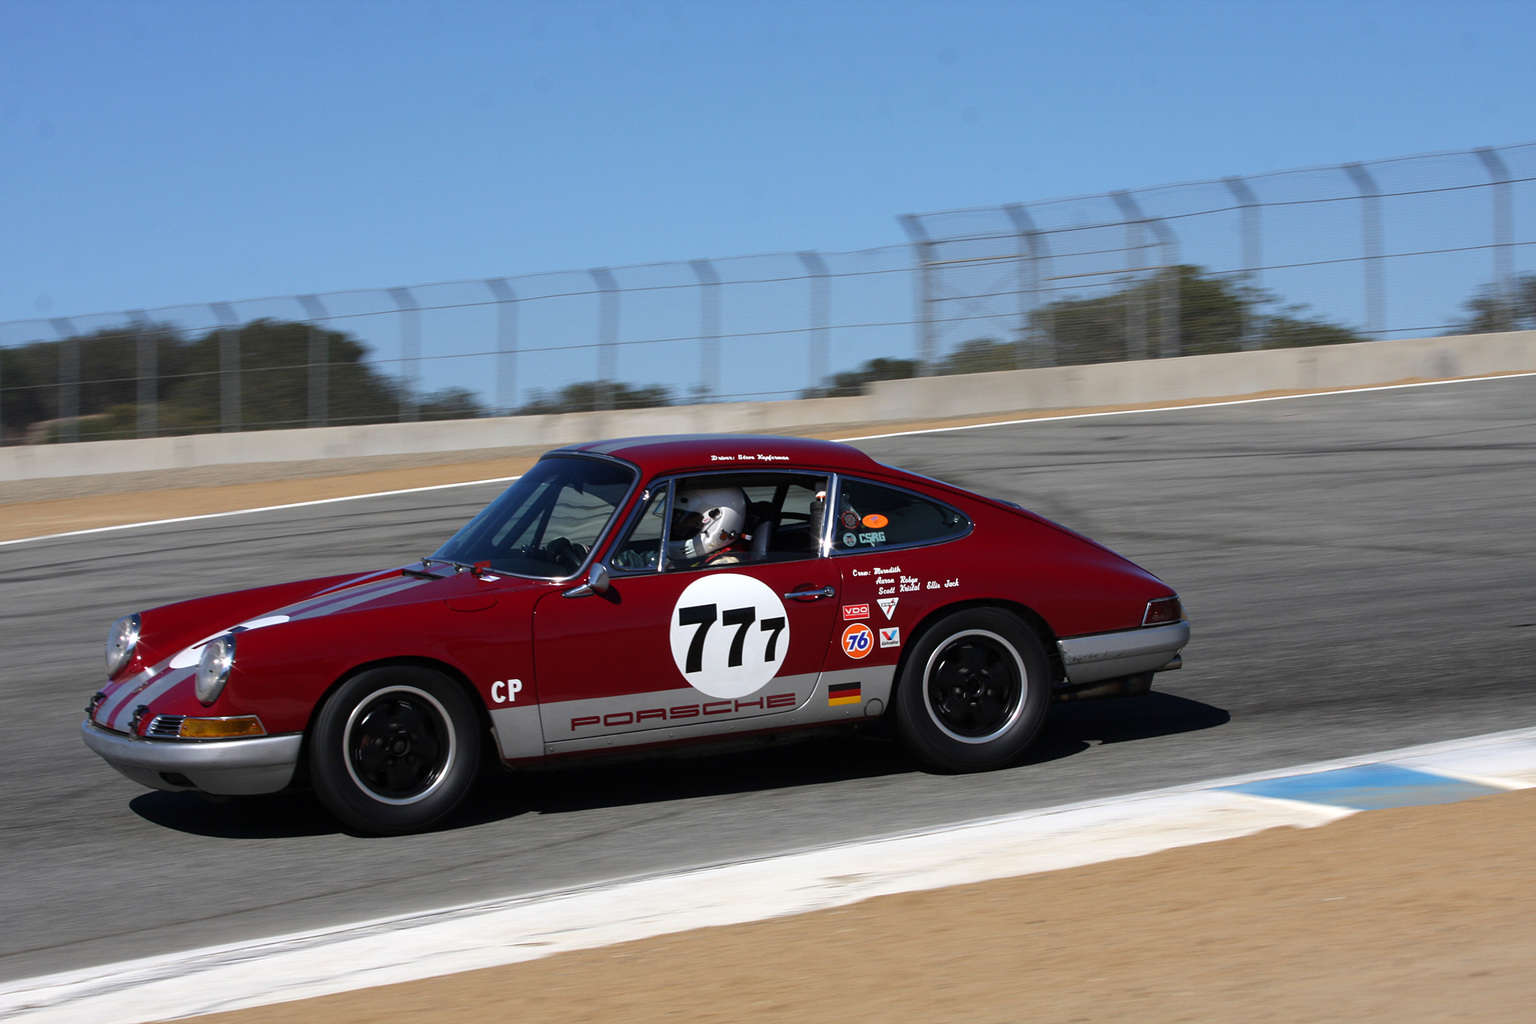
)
(394, 749)
(973, 692)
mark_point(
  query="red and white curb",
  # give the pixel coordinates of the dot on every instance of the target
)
(497, 932)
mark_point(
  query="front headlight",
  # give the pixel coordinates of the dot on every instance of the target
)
(122, 639)
(213, 668)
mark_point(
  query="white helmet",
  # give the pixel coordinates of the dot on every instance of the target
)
(706, 520)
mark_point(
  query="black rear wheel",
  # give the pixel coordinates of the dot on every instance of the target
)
(394, 749)
(974, 690)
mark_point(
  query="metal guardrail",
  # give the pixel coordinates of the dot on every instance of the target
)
(1387, 249)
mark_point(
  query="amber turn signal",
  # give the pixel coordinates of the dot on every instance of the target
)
(220, 728)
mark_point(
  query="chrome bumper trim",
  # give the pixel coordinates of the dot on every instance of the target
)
(236, 767)
(1089, 659)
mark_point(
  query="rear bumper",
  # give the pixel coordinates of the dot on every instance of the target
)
(239, 767)
(1090, 659)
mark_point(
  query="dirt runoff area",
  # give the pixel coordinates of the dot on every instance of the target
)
(1412, 914)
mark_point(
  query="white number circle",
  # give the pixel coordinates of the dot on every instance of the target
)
(729, 634)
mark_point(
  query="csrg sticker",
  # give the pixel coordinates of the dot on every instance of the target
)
(858, 641)
(729, 634)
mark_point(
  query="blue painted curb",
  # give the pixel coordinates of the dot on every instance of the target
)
(1367, 787)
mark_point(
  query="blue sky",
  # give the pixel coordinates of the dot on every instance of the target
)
(158, 153)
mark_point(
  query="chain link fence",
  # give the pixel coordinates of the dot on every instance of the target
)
(1407, 247)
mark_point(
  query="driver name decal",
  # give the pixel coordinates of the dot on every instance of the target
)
(729, 634)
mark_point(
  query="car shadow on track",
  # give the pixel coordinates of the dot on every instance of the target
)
(690, 774)
(1074, 727)
(288, 815)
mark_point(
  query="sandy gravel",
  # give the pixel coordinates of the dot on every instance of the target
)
(1413, 914)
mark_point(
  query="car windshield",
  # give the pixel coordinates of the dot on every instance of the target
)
(544, 524)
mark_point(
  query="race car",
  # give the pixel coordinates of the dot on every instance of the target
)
(633, 594)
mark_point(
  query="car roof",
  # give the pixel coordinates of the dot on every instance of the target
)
(677, 452)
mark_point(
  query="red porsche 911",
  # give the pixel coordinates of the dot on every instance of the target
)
(630, 594)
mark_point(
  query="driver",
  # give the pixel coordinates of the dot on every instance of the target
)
(707, 524)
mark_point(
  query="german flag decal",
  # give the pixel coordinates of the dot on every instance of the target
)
(842, 693)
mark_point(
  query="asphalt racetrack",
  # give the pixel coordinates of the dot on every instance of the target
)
(1360, 570)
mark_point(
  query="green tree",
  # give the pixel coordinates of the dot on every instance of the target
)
(1215, 314)
(587, 396)
(1492, 312)
(981, 355)
(108, 375)
(275, 375)
(853, 382)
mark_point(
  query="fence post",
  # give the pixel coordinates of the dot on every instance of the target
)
(922, 247)
(148, 375)
(1135, 296)
(410, 353)
(821, 315)
(1041, 343)
(506, 343)
(319, 362)
(231, 410)
(69, 379)
(709, 325)
(607, 334)
(1370, 227)
(1168, 344)
(1253, 257)
(1503, 235)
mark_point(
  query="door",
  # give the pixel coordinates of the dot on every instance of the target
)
(674, 650)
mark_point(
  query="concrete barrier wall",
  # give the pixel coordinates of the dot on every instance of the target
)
(1203, 377)
(1016, 391)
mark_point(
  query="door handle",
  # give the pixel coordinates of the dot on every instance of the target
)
(811, 595)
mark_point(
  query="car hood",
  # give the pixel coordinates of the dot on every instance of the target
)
(172, 636)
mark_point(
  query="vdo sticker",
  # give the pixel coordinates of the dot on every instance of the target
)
(729, 634)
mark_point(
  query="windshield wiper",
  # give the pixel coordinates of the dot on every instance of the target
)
(425, 573)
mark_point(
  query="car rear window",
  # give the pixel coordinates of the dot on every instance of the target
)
(872, 516)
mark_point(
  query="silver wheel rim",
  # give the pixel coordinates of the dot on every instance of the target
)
(1015, 702)
(374, 703)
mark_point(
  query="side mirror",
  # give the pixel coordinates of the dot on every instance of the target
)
(598, 582)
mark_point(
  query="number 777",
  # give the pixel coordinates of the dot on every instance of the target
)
(703, 616)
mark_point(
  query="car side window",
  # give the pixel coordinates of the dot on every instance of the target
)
(640, 550)
(872, 516)
(720, 519)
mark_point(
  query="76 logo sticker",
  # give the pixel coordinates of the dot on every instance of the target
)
(729, 634)
(858, 641)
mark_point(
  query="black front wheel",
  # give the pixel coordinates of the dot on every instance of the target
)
(394, 749)
(974, 691)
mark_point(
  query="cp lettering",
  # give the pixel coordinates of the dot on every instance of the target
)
(506, 692)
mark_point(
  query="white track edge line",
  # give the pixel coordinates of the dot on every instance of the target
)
(251, 511)
(1193, 404)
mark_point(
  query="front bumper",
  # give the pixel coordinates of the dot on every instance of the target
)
(1091, 659)
(236, 767)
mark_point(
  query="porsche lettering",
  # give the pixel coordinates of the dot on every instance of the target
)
(617, 719)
